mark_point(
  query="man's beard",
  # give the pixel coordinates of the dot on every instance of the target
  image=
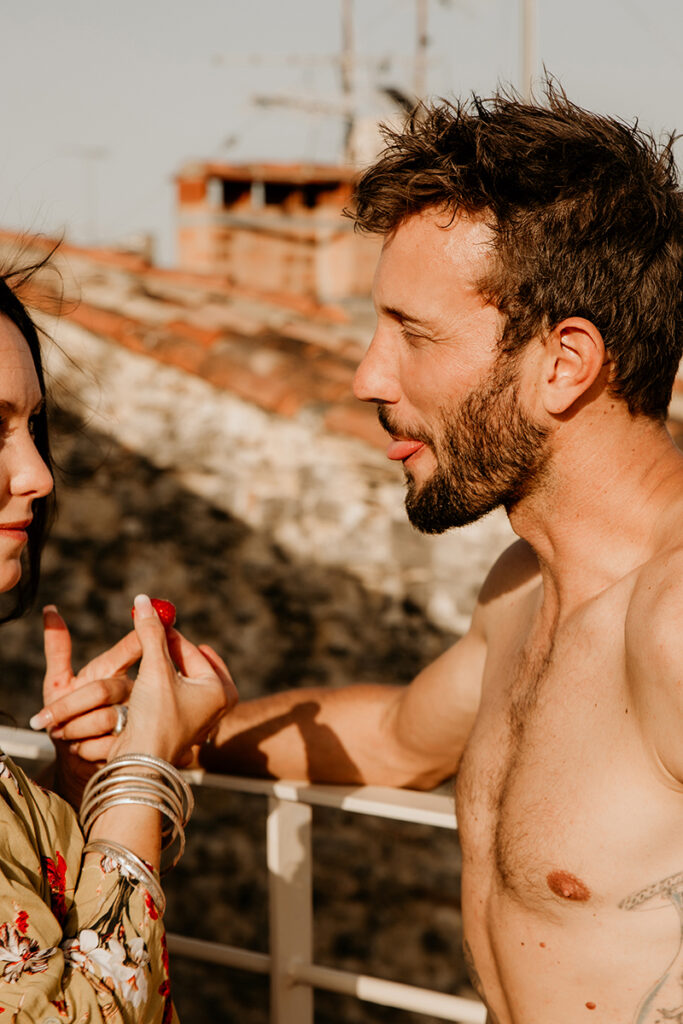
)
(488, 453)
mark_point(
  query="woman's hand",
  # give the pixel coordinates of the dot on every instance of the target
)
(179, 696)
(80, 710)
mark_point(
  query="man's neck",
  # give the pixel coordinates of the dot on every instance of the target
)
(612, 487)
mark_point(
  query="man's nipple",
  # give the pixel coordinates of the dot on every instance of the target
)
(568, 886)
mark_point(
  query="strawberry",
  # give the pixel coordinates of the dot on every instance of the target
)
(164, 609)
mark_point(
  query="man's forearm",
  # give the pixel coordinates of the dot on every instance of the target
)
(317, 734)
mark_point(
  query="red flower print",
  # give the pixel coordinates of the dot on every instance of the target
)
(21, 922)
(56, 879)
(151, 907)
(165, 990)
(164, 954)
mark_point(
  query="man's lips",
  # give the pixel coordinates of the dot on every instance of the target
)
(401, 449)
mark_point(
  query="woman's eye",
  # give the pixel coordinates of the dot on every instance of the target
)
(33, 425)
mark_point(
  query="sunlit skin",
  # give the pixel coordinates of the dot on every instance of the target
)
(24, 477)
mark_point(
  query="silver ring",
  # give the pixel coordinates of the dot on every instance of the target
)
(121, 719)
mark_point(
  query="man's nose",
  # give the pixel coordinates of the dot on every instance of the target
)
(376, 379)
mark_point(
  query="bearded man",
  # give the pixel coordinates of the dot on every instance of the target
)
(529, 329)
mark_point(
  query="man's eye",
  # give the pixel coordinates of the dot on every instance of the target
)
(411, 337)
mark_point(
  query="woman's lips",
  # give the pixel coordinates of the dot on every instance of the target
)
(14, 531)
(400, 450)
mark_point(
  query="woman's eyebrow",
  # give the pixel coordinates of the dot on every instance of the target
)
(9, 407)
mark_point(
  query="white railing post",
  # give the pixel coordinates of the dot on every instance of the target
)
(291, 909)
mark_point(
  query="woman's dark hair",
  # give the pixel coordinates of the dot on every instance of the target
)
(11, 306)
(587, 219)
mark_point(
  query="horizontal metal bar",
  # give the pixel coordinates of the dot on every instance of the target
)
(391, 993)
(431, 808)
(35, 746)
(424, 808)
(218, 953)
(435, 808)
(362, 986)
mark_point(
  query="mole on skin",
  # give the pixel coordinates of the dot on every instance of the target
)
(568, 886)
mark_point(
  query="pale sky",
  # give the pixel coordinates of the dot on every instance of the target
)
(103, 102)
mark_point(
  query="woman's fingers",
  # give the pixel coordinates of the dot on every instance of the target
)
(223, 673)
(112, 662)
(92, 750)
(152, 637)
(85, 699)
(100, 722)
(57, 643)
(196, 662)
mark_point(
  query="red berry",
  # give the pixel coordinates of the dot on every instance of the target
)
(164, 609)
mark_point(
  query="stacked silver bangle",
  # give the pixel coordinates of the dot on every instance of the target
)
(131, 866)
(142, 779)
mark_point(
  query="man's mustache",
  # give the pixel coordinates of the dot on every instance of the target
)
(392, 426)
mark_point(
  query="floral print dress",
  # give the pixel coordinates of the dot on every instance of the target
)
(80, 941)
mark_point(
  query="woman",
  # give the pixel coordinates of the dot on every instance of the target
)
(81, 934)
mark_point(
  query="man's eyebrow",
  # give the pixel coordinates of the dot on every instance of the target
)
(401, 315)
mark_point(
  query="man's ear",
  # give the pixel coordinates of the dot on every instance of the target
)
(574, 355)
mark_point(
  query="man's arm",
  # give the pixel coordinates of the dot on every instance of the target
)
(409, 736)
(361, 734)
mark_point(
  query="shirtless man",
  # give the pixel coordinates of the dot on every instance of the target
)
(529, 328)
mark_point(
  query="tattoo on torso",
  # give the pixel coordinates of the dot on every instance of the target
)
(664, 1002)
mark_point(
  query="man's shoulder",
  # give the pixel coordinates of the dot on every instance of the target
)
(654, 654)
(655, 613)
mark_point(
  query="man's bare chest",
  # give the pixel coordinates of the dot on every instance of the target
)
(555, 776)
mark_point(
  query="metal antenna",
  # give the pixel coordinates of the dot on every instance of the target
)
(347, 69)
(421, 44)
(528, 45)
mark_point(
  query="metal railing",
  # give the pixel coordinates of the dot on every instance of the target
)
(290, 967)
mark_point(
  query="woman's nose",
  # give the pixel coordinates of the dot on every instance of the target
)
(31, 477)
(376, 379)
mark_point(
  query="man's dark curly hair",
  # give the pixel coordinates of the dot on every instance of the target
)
(587, 218)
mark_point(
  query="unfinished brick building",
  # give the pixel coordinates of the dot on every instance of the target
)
(278, 227)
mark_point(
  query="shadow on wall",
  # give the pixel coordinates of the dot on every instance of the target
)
(386, 894)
